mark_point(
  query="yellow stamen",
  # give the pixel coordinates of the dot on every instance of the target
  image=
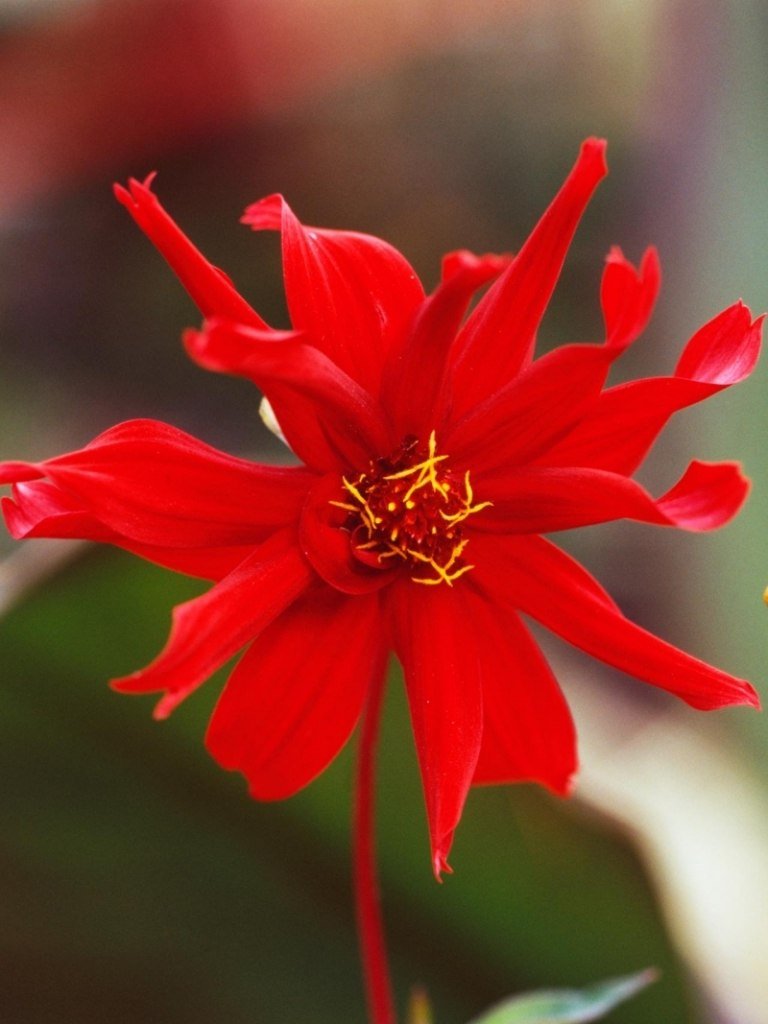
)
(426, 472)
(353, 490)
(431, 535)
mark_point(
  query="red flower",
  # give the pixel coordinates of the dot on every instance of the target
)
(435, 450)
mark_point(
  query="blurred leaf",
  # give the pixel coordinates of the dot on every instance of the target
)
(568, 1006)
(121, 839)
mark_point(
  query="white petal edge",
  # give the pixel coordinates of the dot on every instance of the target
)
(269, 420)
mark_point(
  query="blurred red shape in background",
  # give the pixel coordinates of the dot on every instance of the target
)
(95, 85)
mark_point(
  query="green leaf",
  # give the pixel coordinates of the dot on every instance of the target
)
(568, 1006)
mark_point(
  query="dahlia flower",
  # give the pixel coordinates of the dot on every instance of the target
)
(435, 451)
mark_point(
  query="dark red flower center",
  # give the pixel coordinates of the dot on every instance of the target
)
(411, 507)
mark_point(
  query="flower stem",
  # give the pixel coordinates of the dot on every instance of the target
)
(370, 925)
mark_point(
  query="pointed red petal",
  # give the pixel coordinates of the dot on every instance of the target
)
(211, 290)
(437, 644)
(628, 296)
(352, 293)
(541, 499)
(208, 630)
(157, 485)
(498, 338)
(297, 693)
(16, 472)
(623, 423)
(344, 409)
(535, 577)
(414, 376)
(528, 732)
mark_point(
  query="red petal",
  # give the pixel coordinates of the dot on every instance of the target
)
(16, 472)
(535, 499)
(210, 289)
(438, 645)
(528, 732)
(414, 377)
(707, 496)
(344, 409)
(498, 338)
(294, 698)
(208, 630)
(213, 563)
(723, 351)
(537, 578)
(628, 296)
(157, 485)
(528, 415)
(327, 544)
(352, 293)
(462, 260)
(624, 421)
(40, 509)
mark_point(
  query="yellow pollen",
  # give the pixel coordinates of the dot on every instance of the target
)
(412, 513)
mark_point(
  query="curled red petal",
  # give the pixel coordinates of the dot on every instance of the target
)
(620, 427)
(210, 289)
(41, 509)
(328, 546)
(528, 732)
(536, 499)
(208, 630)
(498, 338)
(628, 295)
(156, 485)
(462, 260)
(352, 293)
(438, 644)
(295, 696)
(344, 409)
(707, 496)
(533, 576)
(725, 350)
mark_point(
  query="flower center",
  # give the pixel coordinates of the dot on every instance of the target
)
(410, 506)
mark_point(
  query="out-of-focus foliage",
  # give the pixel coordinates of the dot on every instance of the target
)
(140, 883)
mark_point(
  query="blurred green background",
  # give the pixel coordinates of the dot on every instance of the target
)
(138, 883)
